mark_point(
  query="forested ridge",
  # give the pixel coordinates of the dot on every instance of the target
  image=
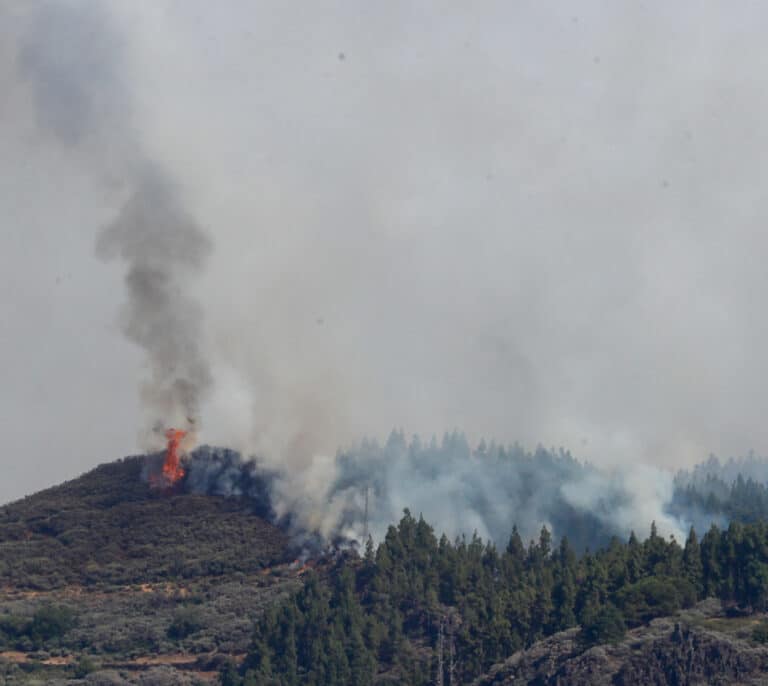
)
(102, 572)
(744, 500)
(417, 605)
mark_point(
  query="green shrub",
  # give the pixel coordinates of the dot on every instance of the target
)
(84, 667)
(11, 627)
(50, 621)
(760, 632)
(654, 597)
(605, 625)
(185, 623)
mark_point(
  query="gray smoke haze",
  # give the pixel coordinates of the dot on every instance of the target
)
(462, 491)
(69, 56)
(528, 221)
(727, 471)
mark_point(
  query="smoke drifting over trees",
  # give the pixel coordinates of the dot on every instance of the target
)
(486, 491)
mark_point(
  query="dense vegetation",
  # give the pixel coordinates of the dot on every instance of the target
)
(103, 569)
(108, 528)
(47, 623)
(744, 500)
(416, 605)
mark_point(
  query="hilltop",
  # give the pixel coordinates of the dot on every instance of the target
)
(103, 575)
(109, 527)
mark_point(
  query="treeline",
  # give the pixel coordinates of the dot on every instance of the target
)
(486, 487)
(744, 500)
(416, 605)
(750, 466)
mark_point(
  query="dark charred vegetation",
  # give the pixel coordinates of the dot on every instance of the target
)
(222, 472)
(218, 472)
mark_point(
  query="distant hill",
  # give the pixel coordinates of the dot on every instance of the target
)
(109, 527)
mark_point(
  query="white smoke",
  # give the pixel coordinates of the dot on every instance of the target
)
(461, 492)
(647, 491)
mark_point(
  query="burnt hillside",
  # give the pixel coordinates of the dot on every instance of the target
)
(109, 527)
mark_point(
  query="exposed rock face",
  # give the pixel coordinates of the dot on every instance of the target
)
(693, 656)
(692, 649)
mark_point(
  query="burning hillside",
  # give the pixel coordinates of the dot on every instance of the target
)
(171, 472)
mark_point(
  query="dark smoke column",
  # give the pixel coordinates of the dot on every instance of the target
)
(71, 58)
(164, 249)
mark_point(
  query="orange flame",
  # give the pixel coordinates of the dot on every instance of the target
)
(172, 472)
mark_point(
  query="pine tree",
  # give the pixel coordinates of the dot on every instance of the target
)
(635, 562)
(710, 561)
(564, 601)
(692, 567)
(514, 560)
(377, 615)
(545, 542)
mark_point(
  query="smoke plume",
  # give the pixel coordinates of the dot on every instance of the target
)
(71, 58)
(163, 248)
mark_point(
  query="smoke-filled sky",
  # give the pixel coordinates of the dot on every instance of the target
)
(527, 220)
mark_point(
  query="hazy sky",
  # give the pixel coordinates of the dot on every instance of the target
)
(529, 220)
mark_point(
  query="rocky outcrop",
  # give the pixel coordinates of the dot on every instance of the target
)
(691, 649)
